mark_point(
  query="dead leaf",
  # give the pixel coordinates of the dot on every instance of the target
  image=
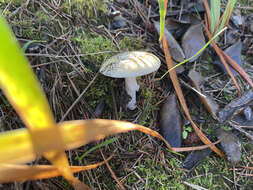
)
(234, 52)
(195, 158)
(175, 49)
(235, 106)
(242, 122)
(171, 122)
(230, 144)
(192, 41)
(176, 27)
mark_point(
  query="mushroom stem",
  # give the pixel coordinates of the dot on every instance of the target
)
(131, 88)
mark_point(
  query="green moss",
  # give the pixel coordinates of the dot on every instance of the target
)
(42, 16)
(229, 96)
(149, 102)
(93, 11)
(130, 44)
(100, 89)
(26, 28)
(97, 48)
(14, 2)
(157, 177)
(226, 127)
(210, 177)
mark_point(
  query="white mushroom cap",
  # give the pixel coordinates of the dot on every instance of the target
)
(130, 64)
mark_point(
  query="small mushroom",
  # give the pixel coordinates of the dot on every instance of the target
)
(130, 65)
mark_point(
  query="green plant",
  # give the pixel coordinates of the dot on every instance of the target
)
(186, 131)
(217, 22)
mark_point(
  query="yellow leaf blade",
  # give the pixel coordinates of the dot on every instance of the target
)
(75, 134)
(16, 147)
(21, 173)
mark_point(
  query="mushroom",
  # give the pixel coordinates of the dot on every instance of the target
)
(130, 65)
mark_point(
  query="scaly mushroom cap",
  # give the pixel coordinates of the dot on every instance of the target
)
(130, 64)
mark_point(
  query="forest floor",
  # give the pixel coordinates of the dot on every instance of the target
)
(71, 39)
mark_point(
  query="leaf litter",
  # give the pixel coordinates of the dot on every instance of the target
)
(171, 121)
(192, 41)
(131, 23)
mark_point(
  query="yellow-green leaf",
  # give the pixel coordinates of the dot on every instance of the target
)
(25, 94)
(20, 84)
(16, 147)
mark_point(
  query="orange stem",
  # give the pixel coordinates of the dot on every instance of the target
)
(207, 14)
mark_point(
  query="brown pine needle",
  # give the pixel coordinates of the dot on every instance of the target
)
(207, 14)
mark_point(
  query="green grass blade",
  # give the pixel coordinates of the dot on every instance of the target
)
(227, 13)
(202, 49)
(215, 14)
(105, 143)
(162, 10)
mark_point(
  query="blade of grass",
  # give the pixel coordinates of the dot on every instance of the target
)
(226, 15)
(21, 173)
(105, 143)
(162, 10)
(214, 14)
(81, 132)
(179, 92)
